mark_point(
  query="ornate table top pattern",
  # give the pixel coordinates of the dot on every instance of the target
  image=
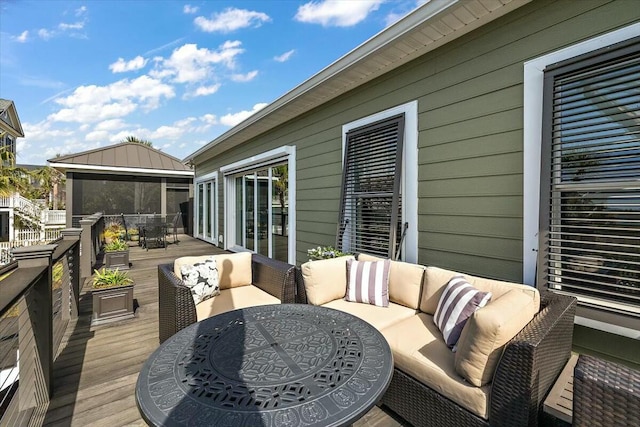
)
(284, 365)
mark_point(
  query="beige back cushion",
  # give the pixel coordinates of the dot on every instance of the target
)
(405, 281)
(488, 330)
(233, 269)
(325, 280)
(436, 280)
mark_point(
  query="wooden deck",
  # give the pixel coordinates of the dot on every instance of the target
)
(97, 367)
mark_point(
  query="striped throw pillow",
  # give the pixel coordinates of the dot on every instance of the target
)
(457, 303)
(368, 282)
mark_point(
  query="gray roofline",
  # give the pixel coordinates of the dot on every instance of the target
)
(422, 15)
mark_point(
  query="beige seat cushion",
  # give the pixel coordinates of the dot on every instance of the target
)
(488, 330)
(233, 269)
(419, 351)
(379, 317)
(405, 281)
(436, 280)
(326, 279)
(234, 298)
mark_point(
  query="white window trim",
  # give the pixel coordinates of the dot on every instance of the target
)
(409, 169)
(213, 176)
(287, 154)
(533, 89)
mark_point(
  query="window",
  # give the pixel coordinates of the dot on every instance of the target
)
(590, 191)
(206, 208)
(378, 204)
(260, 213)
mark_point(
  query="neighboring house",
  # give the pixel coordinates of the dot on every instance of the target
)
(10, 131)
(10, 126)
(125, 178)
(499, 138)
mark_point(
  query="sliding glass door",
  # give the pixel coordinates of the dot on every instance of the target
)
(206, 209)
(261, 210)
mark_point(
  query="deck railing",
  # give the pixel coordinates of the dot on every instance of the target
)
(91, 244)
(39, 294)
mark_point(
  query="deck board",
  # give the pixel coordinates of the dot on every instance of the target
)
(96, 369)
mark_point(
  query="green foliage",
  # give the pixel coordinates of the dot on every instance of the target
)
(325, 252)
(105, 279)
(116, 245)
(137, 140)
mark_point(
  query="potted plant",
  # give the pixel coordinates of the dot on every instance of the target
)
(134, 235)
(112, 232)
(325, 252)
(116, 255)
(112, 296)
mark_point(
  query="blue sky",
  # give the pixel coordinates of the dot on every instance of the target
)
(87, 74)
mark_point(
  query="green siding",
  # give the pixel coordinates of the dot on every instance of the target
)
(470, 106)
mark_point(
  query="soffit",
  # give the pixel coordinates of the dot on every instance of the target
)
(427, 28)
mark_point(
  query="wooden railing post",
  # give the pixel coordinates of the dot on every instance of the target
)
(86, 248)
(73, 261)
(35, 340)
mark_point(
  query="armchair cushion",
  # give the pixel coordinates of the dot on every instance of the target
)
(325, 280)
(488, 330)
(233, 269)
(233, 299)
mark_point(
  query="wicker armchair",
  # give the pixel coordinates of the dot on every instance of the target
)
(177, 309)
(529, 366)
(605, 393)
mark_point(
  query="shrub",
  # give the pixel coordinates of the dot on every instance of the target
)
(104, 279)
(325, 252)
(116, 245)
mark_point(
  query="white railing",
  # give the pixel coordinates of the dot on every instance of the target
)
(57, 217)
(24, 205)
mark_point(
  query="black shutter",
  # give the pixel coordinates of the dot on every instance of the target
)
(371, 203)
(590, 235)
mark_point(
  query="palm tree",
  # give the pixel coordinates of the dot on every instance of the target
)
(49, 179)
(12, 179)
(136, 140)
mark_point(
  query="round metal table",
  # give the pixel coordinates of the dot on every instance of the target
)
(283, 365)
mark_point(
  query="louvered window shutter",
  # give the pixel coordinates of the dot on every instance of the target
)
(590, 240)
(371, 203)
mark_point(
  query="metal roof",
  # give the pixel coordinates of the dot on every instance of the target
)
(124, 157)
(430, 26)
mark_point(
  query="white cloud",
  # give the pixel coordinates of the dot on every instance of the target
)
(242, 78)
(210, 119)
(121, 66)
(190, 64)
(45, 34)
(285, 56)
(235, 118)
(88, 104)
(110, 125)
(75, 26)
(188, 9)
(334, 13)
(22, 38)
(205, 90)
(231, 19)
(81, 11)
(97, 135)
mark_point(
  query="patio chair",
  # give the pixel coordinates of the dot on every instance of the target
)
(154, 235)
(174, 226)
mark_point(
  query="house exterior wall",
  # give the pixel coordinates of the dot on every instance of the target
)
(470, 124)
(470, 141)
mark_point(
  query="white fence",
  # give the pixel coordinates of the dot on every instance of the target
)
(27, 238)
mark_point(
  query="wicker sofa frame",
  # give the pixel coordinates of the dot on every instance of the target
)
(530, 364)
(177, 309)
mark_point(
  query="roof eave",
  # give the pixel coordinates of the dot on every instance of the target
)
(422, 16)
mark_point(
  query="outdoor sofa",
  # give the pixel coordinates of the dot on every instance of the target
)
(245, 280)
(513, 362)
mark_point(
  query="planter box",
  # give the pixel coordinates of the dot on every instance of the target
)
(112, 304)
(117, 259)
